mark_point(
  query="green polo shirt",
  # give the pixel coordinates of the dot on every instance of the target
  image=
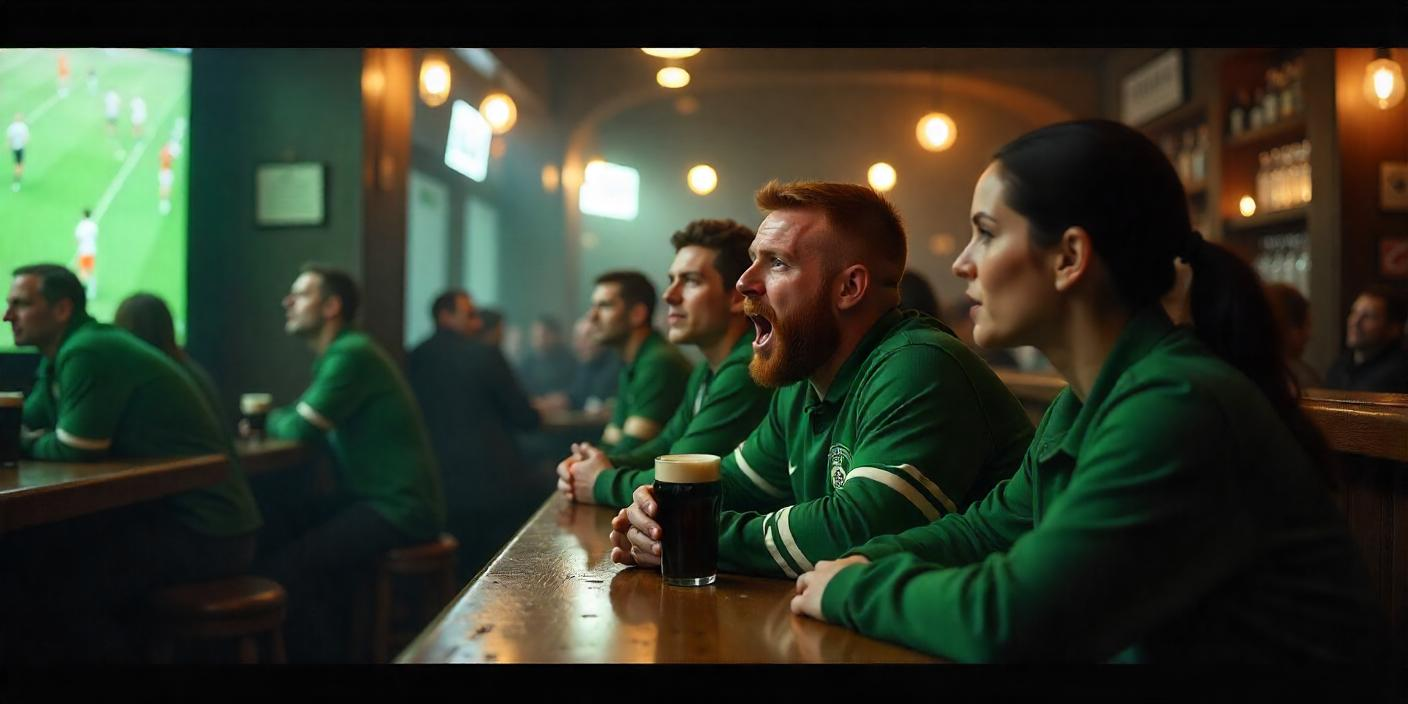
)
(651, 386)
(1171, 516)
(719, 409)
(374, 429)
(915, 426)
(107, 394)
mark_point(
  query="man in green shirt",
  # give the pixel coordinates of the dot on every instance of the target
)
(388, 483)
(655, 373)
(882, 420)
(721, 403)
(75, 586)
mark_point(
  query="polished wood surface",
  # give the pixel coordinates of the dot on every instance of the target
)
(1355, 422)
(46, 492)
(554, 596)
(270, 455)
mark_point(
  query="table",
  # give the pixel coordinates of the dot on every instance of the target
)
(47, 492)
(552, 595)
(270, 455)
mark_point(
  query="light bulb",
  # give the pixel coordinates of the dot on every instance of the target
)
(434, 81)
(702, 179)
(936, 132)
(1248, 206)
(671, 53)
(1383, 83)
(881, 176)
(672, 77)
(499, 111)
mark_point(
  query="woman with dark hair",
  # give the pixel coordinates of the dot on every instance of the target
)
(1173, 505)
(146, 316)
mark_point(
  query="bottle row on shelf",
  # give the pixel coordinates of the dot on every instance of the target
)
(1283, 176)
(1281, 98)
(1188, 155)
(1285, 258)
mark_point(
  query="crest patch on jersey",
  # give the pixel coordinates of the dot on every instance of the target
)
(838, 462)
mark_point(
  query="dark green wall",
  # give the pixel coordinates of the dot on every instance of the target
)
(252, 106)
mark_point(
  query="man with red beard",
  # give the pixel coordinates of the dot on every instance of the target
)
(883, 420)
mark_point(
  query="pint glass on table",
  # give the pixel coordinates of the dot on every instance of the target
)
(688, 494)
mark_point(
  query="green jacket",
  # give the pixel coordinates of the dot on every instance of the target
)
(108, 394)
(718, 411)
(374, 429)
(1171, 516)
(913, 427)
(651, 386)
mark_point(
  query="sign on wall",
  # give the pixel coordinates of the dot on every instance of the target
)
(1154, 89)
(289, 195)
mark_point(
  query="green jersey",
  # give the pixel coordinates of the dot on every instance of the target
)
(914, 426)
(108, 394)
(1171, 516)
(651, 386)
(719, 409)
(375, 431)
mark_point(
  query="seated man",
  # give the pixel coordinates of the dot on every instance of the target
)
(388, 484)
(1374, 358)
(549, 365)
(73, 589)
(883, 420)
(655, 373)
(721, 403)
(472, 405)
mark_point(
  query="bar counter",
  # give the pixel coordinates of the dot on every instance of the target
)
(552, 595)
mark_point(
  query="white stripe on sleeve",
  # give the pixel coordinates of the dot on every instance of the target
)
(895, 482)
(82, 443)
(933, 488)
(772, 548)
(785, 530)
(763, 484)
(314, 417)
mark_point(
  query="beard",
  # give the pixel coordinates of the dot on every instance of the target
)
(799, 345)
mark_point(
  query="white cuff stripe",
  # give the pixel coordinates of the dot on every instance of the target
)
(314, 417)
(757, 479)
(933, 488)
(772, 548)
(83, 443)
(895, 482)
(784, 529)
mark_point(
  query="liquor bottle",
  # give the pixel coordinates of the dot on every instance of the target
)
(1200, 155)
(1237, 116)
(1255, 116)
(1263, 172)
(1286, 95)
(1185, 157)
(1270, 105)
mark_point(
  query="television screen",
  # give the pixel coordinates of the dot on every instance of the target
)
(610, 191)
(96, 150)
(467, 145)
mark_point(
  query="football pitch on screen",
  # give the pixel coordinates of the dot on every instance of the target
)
(76, 160)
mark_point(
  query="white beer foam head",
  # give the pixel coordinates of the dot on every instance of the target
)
(11, 399)
(687, 469)
(255, 403)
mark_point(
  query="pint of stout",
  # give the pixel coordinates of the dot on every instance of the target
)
(255, 410)
(11, 412)
(688, 496)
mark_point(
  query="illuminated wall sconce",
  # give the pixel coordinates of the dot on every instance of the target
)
(1383, 81)
(672, 77)
(881, 176)
(671, 53)
(1247, 206)
(434, 81)
(703, 179)
(500, 110)
(936, 131)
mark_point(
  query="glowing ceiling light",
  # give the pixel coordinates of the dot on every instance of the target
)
(881, 176)
(671, 53)
(936, 131)
(703, 179)
(672, 77)
(1383, 82)
(434, 81)
(500, 110)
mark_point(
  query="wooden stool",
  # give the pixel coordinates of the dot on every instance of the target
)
(244, 608)
(433, 565)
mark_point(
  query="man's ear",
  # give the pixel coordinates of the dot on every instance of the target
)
(331, 307)
(63, 310)
(640, 315)
(1072, 257)
(855, 282)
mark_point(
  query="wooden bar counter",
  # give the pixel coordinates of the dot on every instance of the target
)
(552, 595)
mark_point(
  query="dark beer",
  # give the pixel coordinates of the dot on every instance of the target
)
(255, 410)
(688, 496)
(11, 413)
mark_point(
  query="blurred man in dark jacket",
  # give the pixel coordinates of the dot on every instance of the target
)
(473, 404)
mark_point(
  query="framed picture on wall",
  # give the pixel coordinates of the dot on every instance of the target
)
(1154, 88)
(1393, 186)
(290, 194)
(1393, 257)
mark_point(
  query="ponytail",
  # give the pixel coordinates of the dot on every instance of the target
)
(1234, 319)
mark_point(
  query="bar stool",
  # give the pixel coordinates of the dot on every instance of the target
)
(432, 567)
(246, 608)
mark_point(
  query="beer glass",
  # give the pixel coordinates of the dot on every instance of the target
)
(11, 413)
(255, 410)
(688, 497)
